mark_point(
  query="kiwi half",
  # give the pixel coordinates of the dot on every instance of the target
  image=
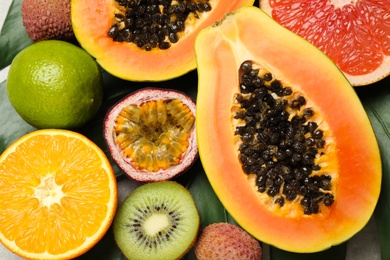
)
(157, 221)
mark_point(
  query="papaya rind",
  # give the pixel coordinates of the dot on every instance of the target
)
(297, 61)
(91, 21)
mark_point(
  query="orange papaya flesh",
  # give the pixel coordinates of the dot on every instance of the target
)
(92, 20)
(351, 154)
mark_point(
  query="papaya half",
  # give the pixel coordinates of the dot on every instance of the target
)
(282, 136)
(145, 40)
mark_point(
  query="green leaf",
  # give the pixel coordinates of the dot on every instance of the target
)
(13, 36)
(376, 101)
(334, 253)
(210, 208)
(106, 248)
(12, 126)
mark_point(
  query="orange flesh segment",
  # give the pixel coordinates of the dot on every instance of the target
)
(356, 42)
(57, 195)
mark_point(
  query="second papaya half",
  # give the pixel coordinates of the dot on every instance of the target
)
(283, 138)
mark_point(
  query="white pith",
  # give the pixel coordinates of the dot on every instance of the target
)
(48, 191)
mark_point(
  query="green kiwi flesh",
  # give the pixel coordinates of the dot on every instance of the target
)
(157, 221)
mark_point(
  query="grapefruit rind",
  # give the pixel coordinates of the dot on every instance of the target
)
(356, 80)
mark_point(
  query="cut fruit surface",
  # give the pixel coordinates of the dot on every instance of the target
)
(283, 137)
(151, 134)
(58, 195)
(92, 20)
(354, 34)
(157, 221)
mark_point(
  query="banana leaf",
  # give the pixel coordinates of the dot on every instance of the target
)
(375, 98)
(376, 102)
(13, 36)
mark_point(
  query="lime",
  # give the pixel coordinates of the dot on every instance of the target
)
(55, 84)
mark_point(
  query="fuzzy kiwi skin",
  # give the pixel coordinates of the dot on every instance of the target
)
(185, 233)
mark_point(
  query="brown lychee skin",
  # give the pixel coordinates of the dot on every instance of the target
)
(47, 19)
(228, 242)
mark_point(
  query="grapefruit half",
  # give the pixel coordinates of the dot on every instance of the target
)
(355, 34)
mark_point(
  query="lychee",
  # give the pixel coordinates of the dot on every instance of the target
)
(227, 241)
(47, 19)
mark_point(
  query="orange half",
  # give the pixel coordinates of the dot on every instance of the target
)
(58, 195)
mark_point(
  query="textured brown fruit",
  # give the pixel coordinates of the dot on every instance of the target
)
(226, 241)
(47, 19)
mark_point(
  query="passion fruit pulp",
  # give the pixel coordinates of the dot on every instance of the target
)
(151, 134)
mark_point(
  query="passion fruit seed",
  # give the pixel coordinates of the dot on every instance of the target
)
(154, 135)
(279, 142)
(154, 23)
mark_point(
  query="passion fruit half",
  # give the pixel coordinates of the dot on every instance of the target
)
(151, 134)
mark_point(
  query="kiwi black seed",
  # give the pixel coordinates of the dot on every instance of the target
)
(157, 221)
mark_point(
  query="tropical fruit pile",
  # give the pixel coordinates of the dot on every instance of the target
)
(182, 128)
